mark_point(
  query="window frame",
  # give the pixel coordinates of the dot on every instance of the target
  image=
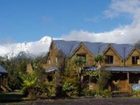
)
(134, 59)
(109, 59)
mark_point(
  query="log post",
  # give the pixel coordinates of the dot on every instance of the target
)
(128, 78)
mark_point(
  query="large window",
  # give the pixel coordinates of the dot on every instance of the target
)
(109, 59)
(135, 59)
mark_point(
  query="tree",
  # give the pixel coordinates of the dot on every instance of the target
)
(29, 83)
(99, 59)
(70, 83)
(80, 63)
(101, 74)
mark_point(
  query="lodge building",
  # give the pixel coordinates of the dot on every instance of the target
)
(122, 60)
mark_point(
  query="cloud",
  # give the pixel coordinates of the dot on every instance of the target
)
(35, 48)
(117, 7)
(124, 34)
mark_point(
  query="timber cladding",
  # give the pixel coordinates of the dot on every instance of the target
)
(83, 50)
(61, 50)
(129, 58)
(117, 60)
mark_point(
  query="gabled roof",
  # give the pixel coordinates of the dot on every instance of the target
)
(2, 70)
(129, 54)
(93, 47)
(123, 49)
(65, 46)
(68, 47)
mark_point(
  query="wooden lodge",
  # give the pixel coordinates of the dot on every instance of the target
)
(122, 60)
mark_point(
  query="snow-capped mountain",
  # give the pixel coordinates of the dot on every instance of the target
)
(35, 48)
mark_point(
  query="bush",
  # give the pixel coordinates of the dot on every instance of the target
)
(104, 93)
(69, 88)
(136, 93)
(51, 89)
(88, 92)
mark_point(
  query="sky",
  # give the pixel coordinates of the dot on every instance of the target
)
(24, 22)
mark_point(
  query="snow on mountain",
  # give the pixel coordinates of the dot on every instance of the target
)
(35, 48)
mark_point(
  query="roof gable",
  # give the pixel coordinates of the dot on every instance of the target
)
(77, 46)
(68, 47)
(114, 50)
(65, 46)
(123, 49)
(131, 52)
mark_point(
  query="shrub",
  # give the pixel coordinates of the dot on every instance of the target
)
(88, 92)
(136, 93)
(70, 88)
(29, 84)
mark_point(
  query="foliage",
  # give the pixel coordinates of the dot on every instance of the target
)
(88, 92)
(104, 93)
(99, 58)
(17, 65)
(14, 66)
(51, 89)
(102, 75)
(92, 73)
(103, 79)
(29, 83)
(136, 93)
(70, 87)
(80, 61)
(70, 79)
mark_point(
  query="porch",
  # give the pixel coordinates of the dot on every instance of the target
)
(122, 78)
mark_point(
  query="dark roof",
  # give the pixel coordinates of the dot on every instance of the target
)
(123, 49)
(2, 70)
(94, 47)
(124, 69)
(68, 47)
(65, 46)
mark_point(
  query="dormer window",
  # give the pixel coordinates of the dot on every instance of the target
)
(135, 59)
(82, 57)
(109, 59)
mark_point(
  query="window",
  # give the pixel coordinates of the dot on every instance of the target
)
(81, 58)
(135, 59)
(109, 59)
